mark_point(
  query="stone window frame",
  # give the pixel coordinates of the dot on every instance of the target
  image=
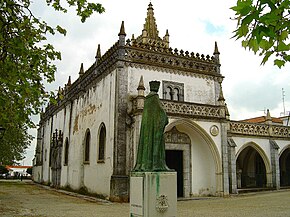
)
(102, 143)
(66, 152)
(173, 86)
(87, 144)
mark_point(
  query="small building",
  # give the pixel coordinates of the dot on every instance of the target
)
(18, 171)
(89, 139)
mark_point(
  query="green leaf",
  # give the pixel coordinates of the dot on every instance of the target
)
(61, 30)
(282, 47)
(279, 63)
(266, 57)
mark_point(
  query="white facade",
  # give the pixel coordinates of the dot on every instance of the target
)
(89, 139)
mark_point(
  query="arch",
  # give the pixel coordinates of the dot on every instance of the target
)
(284, 166)
(66, 151)
(256, 158)
(194, 126)
(260, 151)
(214, 164)
(87, 146)
(102, 143)
(284, 149)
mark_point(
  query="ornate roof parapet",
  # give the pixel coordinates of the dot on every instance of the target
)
(153, 53)
(73, 90)
(69, 81)
(216, 54)
(81, 72)
(98, 54)
(150, 33)
(254, 129)
(122, 35)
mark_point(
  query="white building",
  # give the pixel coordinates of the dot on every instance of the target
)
(89, 139)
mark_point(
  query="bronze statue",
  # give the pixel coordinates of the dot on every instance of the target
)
(151, 147)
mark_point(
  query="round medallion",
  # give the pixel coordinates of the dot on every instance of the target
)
(214, 130)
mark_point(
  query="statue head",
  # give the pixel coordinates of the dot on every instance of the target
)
(154, 86)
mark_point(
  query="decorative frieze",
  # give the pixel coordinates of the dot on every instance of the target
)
(191, 109)
(281, 131)
(165, 57)
(254, 129)
(249, 128)
(188, 109)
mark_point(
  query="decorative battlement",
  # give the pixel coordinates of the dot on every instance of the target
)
(253, 129)
(156, 54)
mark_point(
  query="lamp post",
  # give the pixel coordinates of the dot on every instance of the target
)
(2, 131)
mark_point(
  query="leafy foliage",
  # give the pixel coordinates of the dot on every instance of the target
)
(26, 63)
(3, 169)
(264, 27)
(13, 144)
(29, 170)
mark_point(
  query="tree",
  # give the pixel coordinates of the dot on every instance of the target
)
(264, 27)
(3, 170)
(13, 144)
(29, 170)
(26, 63)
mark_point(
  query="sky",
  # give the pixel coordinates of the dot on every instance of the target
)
(249, 88)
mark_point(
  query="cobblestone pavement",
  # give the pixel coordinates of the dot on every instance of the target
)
(25, 199)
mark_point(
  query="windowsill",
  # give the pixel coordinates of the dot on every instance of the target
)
(86, 162)
(101, 161)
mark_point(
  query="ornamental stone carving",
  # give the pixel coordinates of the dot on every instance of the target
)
(162, 203)
(253, 129)
(191, 109)
(176, 137)
(214, 130)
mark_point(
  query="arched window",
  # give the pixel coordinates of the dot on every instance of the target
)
(173, 90)
(176, 94)
(87, 146)
(102, 143)
(168, 93)
(66, 148)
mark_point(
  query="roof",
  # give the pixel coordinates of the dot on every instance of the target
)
(18, 167)
(262, 119)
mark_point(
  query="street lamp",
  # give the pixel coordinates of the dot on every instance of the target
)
(2, 131)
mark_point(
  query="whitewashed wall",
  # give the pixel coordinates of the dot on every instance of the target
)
(196, 89)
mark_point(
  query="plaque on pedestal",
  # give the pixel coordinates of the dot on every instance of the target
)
(153, 194)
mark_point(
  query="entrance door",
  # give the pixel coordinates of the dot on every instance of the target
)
(174, 160)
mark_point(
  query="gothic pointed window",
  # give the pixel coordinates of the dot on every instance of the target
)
(66, 148)
(87, 146)
(102, 143)
(173, 90)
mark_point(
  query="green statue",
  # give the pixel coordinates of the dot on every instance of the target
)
(151, 148)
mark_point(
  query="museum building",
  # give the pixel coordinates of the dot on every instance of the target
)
(88, 140)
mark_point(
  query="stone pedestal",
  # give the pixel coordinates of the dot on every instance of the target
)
(153, 194)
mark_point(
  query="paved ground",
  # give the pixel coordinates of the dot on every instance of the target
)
(26, 199)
